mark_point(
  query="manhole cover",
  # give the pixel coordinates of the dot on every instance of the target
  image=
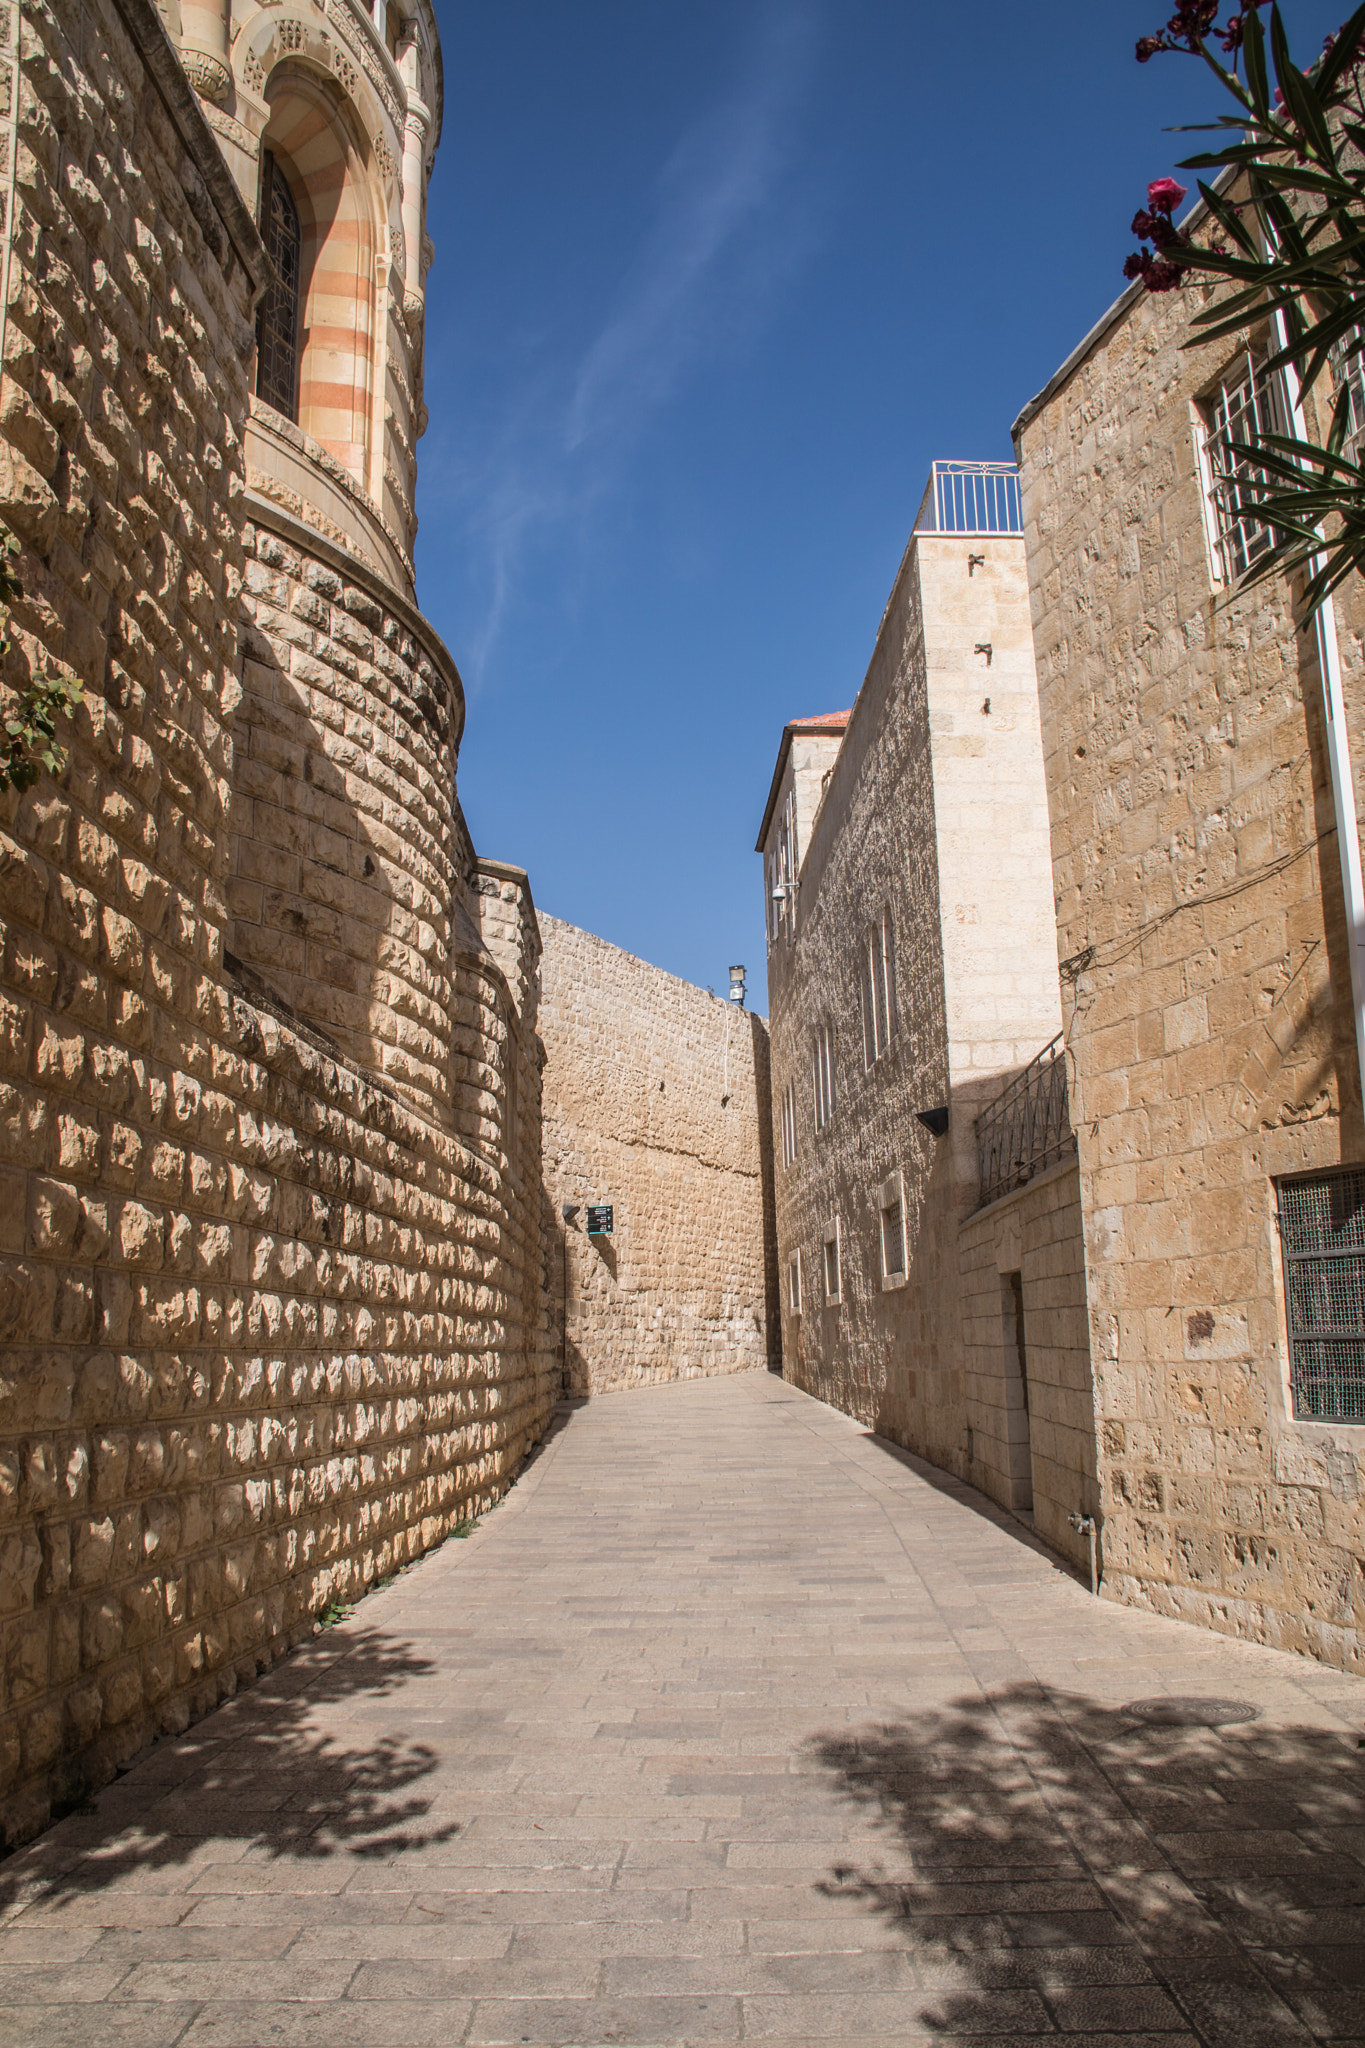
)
(1177, 1712)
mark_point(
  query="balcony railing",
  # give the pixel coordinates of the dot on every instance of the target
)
(1028, 1128)
(972, 499)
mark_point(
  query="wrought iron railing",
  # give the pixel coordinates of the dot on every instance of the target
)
(971, 498)
(1028, 1128)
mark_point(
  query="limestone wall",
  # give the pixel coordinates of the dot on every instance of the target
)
(656, 1101)
(1032, 1446)
(1207, 990)
(936, 813)
(348, 852)
(269, 1328)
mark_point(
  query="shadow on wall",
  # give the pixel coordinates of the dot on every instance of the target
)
(763, 1089)
(1047, 1861)
(258, 1775)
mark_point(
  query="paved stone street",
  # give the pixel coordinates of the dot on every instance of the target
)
(731, 1723)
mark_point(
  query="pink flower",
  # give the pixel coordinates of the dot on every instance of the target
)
(1164, 195)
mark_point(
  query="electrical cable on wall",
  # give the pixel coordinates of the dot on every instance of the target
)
(1111, 951)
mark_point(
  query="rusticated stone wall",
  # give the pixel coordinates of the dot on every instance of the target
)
(349, 853)
(656, 1101)
(1207, 989)
(270, 1325)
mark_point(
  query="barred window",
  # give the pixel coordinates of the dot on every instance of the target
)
(277, 333)
(1348, 375)
(822, 1075)
(789, 1124)
(1322, 1234)
(893, 1240)
(833, 1274)
(879, 988)
(1247, 404)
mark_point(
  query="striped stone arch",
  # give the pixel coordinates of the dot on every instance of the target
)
(320, 149)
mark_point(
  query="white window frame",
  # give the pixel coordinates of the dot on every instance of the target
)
(1348, 374)
(822, 1074)
(1243, 396)
(878, 987)
(789, 1124)
(891, 1195)
(833, 1235)
(794, 1284)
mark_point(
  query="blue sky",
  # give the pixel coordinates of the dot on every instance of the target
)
(715, 281)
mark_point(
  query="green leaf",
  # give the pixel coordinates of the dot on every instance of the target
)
(1253, 57)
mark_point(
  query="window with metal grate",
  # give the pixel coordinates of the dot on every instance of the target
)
(1322, 1232)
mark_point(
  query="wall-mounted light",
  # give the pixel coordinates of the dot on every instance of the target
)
(737, 975)
(569, 1211)
(935, 1120)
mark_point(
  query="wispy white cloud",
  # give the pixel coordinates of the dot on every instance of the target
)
(718, 182)
(715, 250)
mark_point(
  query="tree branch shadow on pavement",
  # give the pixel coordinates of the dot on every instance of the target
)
(1053, 1862)
(254, 1775)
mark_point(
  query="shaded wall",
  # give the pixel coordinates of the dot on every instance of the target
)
(656, 1102)
(270, 1326)
(935, 811)
(1032, 1419)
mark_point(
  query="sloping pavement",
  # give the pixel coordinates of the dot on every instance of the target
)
(731, 1723)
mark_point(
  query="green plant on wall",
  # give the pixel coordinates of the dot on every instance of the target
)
(30, 743)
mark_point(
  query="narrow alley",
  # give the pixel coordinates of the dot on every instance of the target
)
(731, 1723)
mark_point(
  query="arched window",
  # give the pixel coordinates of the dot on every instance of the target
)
(277, 338)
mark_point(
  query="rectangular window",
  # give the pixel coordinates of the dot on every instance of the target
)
(789, 1125)
(1246, 405)
(780, 871)
(1348, 376)
(822, 1075)
(833, 1276)
(786, 865)
(1322, 1234)
(893, 1241)
(879, 989)
(888, 1206)
(794, 1283)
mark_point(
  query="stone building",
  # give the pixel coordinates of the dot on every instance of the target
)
(278, 1294)
(912, 978)
(1203, 860)
(271, 1270)
(655, 1106)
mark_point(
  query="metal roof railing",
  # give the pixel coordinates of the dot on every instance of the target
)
(971, 499)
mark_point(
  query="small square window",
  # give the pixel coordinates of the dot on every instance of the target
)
(1322, 1234)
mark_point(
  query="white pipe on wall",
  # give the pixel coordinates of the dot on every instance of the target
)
(1338, 754)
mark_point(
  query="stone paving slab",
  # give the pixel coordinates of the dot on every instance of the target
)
(732, 1723)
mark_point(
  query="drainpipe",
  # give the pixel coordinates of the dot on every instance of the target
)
(1338, 750)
